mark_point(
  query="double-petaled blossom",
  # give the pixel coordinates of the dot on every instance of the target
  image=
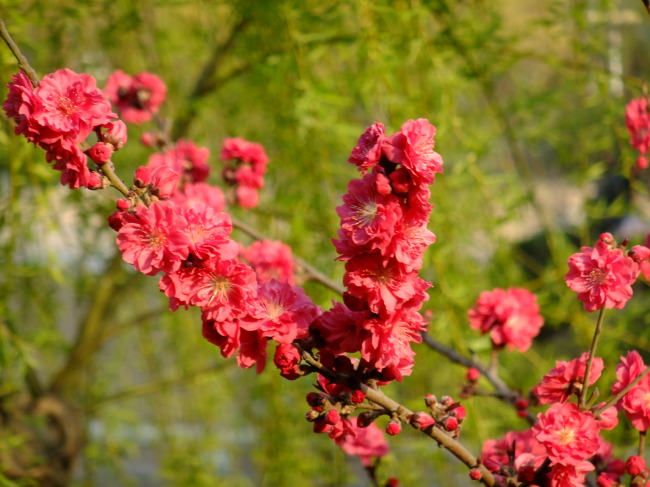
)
(368, 150)
(282, 312)
(366, 443)
(154, 239)
(637, 120)
(569, 435)
(57, 116)
(271, 260)
(245, 168)
(510, 316)
(136, 97)
(636, 402)
(185, 158)
(567, 379)
(602, 276)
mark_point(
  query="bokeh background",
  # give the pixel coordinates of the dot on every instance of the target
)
(529, 100)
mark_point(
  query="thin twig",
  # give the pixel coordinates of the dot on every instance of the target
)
(20, 57)
(592, 352)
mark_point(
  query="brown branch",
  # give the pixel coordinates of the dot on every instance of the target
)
(20, 57)
(503, 392)
(404, 414)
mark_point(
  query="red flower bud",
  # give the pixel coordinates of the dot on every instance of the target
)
(521, 403)
(635, 465)
(115, 134)
(312, 415)
(639, 253)
(321, 426)
(314, 399)
(123, 204)
(394, 427)
(422, 421)
(164, 181)
(357, 397)
(392, 482)
(95, 181)
(430, 400)
(450, 423)
(332, 417)
(473, 374)
(475, 474)
(608, 238)
(142, 177)
(100, 153)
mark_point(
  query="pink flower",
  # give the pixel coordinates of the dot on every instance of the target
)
(286, 359)
(247, 171)
(188, 160)
(367, 152)
(567, 378)
(164, 181)
(602, 276)
(637, 119)
(138, 97)
(412, 147)
(364, 442)
(636, 403)
(281, 312)
(198, 195)
(342, 329)
(71, 106)
(570, 475)
(569, 435)
(249, 152)
(154, 239)
(270, 260)
(510, 316)
(383, 287)
(368, 218)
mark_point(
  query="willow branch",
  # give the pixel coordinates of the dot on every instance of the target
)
(20, 57)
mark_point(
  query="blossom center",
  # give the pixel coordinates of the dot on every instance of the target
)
(381, 276)
(596, 277)
(221, 286)
(566, 436)
(273, 309)
(364, 213)
(156, 239)
(66, 106)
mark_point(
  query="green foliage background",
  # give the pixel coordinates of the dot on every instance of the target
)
(528, 99)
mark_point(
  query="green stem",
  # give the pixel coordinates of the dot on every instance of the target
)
(642, 435)
(622, 392)
(592, 352)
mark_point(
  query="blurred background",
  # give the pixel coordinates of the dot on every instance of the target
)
(529, 102)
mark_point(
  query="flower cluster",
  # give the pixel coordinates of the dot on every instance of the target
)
(566, 379)
(510, 316)
(603, 275)
(635, 403)
(136, 97)
(246, 170)
(637, 120)
(382, 238)
(58, 115)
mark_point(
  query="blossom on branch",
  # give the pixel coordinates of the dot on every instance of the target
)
(510, 316)
(247, 170)
(136, 97)
(567, 379)
(637, 120)
(602, 276)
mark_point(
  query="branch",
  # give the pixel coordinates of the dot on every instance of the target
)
(404, 414)
(503, 392)
(20, 57)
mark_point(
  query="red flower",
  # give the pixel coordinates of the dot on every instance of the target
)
(602, 276)
(270, 260)
(567, 378)
(510, 316)
(636, 403)
(366, 442)
(637, 120)
(367, 152)
(569, 435)
(136, 97)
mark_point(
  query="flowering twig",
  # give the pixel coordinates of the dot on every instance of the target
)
(503, 392)
(403, 414)
(20, 57)
(592, 352)
(621, 393)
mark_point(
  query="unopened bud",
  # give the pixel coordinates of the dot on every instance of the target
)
(446, 400)
(95, 181)
(430, 400)
(123, 204)
(473, 374)
(332, 417)
(394, 427)
(475, 474)
(357, 397)
(315, 399)
(521, 403)
(450, 423)
(639, 253)
(422, 420)
(635, 465)
(142, 177)
(608, 238)
(312, 415)
(392, 482)
(100, 153)
(115, 134)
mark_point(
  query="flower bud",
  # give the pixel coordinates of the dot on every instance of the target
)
(608, 238)
(164, 181)
(123, 204)
(642, 162)
(392, 482)
(321, 426)
(94, 181)
(332, 417)
(142, 177)
(312, 415)
(521, 404)
(430, 400)
(100, 153)
(422, 420)
(450, 423)
(357, 397)
(394, 427)
(635, 465)
(314, 399)
(473, 374)
(115, 134)
(446, 400)
(475, 474)
(639, 253)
